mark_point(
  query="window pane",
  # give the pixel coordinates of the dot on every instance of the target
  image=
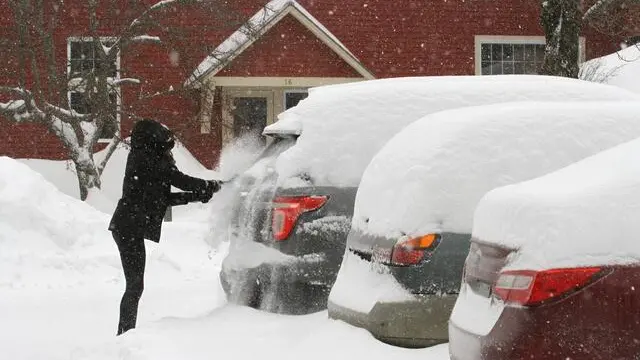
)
(518, 68)
(496, 52)
(507, 52)
(79, 103)
(76, 49)
(249, 116)
(507, 68)
(485, 50)
(539, 53)
(292, 99)
(87, 65)
(530, 68)
(76, 66)
(529, 53)
(486, 68)
(87, 50)
(518, 52)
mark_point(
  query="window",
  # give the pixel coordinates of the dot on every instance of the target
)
(83, 59)
(511, 58)
(498, 55)
(293, 97)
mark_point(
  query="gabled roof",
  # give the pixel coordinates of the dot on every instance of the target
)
(262, 22)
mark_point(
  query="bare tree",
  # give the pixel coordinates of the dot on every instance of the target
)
(562, 21)
(44, 95)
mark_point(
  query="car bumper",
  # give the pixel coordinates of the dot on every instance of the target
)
(300, 270)
(419, 323)
(544, 334)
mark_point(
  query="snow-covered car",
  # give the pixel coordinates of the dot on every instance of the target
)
(554, 266)
(413, 213)
(294, 211)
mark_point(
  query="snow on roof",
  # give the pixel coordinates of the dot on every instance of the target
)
(341, 127)
(430, 176)
(621, 68)
(259, 24)
(583, 215)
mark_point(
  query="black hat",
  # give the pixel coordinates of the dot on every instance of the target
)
(151, 135)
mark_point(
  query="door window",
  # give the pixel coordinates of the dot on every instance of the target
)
(249, 116)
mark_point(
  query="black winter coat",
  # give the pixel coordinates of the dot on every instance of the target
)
(146, 191)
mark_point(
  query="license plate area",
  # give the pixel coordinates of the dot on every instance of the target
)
(381, 255)
(480, 288)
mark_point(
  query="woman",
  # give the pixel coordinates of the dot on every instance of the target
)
(146, 194)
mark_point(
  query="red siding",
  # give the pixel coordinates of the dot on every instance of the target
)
(391, 38)
(289, 49)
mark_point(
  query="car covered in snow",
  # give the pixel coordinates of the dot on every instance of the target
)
(414, 209)
(554, 266)
(294, 208)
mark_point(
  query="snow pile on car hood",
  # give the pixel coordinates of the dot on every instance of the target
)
(621, 68)
(341, 127)
(431, 175)
(585, 214)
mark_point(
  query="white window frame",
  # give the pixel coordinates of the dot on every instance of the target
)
(292, 91)
(118, 69)
(517, 40)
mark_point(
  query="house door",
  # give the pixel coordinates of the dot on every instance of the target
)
(249, 116)
(247, 113)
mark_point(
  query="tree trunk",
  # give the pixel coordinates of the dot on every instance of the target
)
(87, 173)
(561, 22)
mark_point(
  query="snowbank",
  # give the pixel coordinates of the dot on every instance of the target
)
(341, 127)
(621, 69)
(431, 175)
(39, 226)
(362, 284)
(224, 334)
(48, 238)
(62, 174)
(585, 214)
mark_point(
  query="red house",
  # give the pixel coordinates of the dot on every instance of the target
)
(225, 68)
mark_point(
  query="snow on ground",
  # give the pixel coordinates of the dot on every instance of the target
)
(621, 68)
(61, 282)
(349, 123)
(583, 215)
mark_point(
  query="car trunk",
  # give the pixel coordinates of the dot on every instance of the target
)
(251, 219)
(477, 310)
(483, 266)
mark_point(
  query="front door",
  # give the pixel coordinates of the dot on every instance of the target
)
(247, 113)
(249, 116)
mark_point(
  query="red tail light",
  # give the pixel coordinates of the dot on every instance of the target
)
(528, 287)
(413, 251)
(286, 211)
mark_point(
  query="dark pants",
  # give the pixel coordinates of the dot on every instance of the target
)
(132, 255)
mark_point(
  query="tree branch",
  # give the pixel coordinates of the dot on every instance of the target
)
(145, 39)
(109, 150)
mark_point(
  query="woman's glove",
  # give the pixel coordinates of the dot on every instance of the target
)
(213, 186)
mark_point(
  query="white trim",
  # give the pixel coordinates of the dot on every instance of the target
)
(515, 39)
(207, 101)
(71, 39)
(295, 82)
(266, 19)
